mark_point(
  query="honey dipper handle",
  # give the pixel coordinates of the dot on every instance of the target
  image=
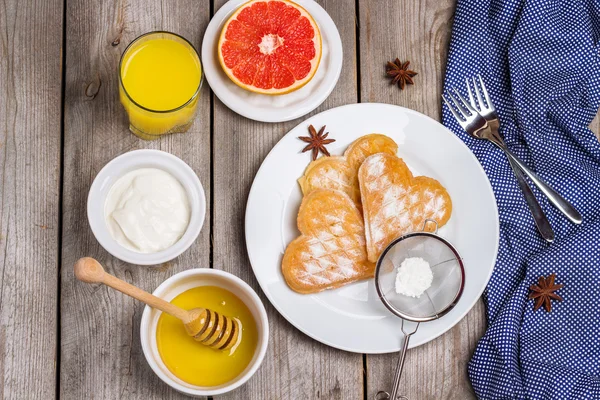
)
(89, 270)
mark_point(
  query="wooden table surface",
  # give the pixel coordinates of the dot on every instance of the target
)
(61, 122)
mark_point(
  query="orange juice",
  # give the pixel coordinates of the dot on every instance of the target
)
(160, 76)
(195, 363)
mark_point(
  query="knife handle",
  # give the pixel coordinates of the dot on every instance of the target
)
(559, 202)
(539, 217)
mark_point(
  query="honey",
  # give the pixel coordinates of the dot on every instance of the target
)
(195, 363)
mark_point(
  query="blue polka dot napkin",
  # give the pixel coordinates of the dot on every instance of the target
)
(540, 60)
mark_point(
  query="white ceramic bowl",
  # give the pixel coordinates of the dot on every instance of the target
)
(145, 159)
(178, 284)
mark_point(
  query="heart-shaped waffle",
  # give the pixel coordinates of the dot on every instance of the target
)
(340, 173)
(396, 203)
(331, 251)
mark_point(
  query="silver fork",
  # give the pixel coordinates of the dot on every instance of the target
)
(475, 124)
(487, 128)
(489, 113)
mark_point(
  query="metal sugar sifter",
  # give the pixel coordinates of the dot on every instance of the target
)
(443, 294)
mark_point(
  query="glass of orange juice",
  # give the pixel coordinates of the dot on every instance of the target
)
(160, 75)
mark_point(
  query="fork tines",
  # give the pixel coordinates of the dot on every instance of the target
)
(480, 105)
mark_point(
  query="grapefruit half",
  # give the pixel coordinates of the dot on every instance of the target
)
(270, 46)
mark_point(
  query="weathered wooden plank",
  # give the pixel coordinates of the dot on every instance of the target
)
(296, 367)
(101, 355)
(421, 33)
(595, 125)
(30, 136)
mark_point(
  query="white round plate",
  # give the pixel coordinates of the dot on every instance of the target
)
(266, 108)
(352, 317)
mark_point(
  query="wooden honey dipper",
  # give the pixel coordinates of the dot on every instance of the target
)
(205, 326)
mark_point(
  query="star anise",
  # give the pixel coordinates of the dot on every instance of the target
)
(316, 141)
(543, 292)
(400, 73)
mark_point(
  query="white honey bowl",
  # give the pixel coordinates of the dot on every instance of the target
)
(131, 161)
(178, 284)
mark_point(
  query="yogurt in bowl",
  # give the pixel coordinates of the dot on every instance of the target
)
(146, 207)
(147, 210)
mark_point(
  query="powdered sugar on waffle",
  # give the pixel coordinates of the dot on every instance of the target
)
(331, 254)
(396, 203)
(340, 178)
(340, 172)
(332, 248)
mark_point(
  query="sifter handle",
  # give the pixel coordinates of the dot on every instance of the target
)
(399, 368)
(433, 221)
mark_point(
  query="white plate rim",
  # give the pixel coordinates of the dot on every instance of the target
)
(413, 343)
(325, 24)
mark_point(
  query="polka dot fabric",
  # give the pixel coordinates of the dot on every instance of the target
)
(541, 63)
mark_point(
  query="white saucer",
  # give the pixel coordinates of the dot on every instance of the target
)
(266, 108)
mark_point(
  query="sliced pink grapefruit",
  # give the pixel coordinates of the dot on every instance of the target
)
(270, 46)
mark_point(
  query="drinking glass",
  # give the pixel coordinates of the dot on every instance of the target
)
(147, 121)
